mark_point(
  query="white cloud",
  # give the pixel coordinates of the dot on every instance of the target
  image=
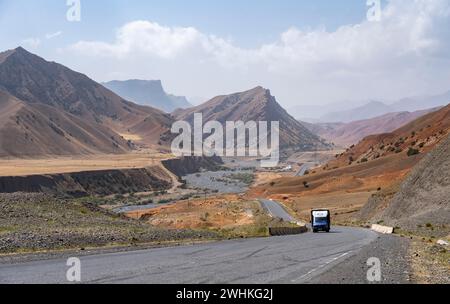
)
(145, 37)
(406, 51)
(32, 42)
(35, 42)
(53, 35)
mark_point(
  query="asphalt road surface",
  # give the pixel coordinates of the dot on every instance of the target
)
(304, 168)
(286, 259)
(276, 210)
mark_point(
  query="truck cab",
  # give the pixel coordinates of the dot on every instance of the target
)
(320, 220)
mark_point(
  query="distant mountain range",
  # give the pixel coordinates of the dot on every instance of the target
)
(148, 93)
(421, 103)
(314, 112)
(347, 134)
(369, 110)
(256, 105)
(48, 109)
(349, 111)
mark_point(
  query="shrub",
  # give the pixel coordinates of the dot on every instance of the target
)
(119, 196)
(146, 202)
(204, 218)
(412, 152)
(364, 160)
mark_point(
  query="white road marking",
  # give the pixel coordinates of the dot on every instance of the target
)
(321, 266)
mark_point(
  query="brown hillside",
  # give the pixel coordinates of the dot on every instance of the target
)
(345, 188)
(362, 177)
(256, 105)
(421, 134)
(28, 130)
(422, 203)
(49, 89)
(351, 133)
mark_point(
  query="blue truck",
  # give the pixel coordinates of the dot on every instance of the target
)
(320, 220)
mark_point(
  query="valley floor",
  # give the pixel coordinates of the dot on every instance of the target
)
(58, 165)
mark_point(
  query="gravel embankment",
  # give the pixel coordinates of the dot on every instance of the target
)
(37, 222)
(393, 252)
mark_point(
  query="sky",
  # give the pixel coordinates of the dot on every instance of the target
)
(305, 52)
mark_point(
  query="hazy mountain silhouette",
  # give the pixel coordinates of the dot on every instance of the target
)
(148, 93)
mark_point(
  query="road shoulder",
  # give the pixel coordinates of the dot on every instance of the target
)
(391, 250)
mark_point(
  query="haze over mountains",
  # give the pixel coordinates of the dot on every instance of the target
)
(148, 93)
(256, 105)
(367, 111)
(347, 134)
(347, 127)
(422, 102)
(49, 109)
(349, 111)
